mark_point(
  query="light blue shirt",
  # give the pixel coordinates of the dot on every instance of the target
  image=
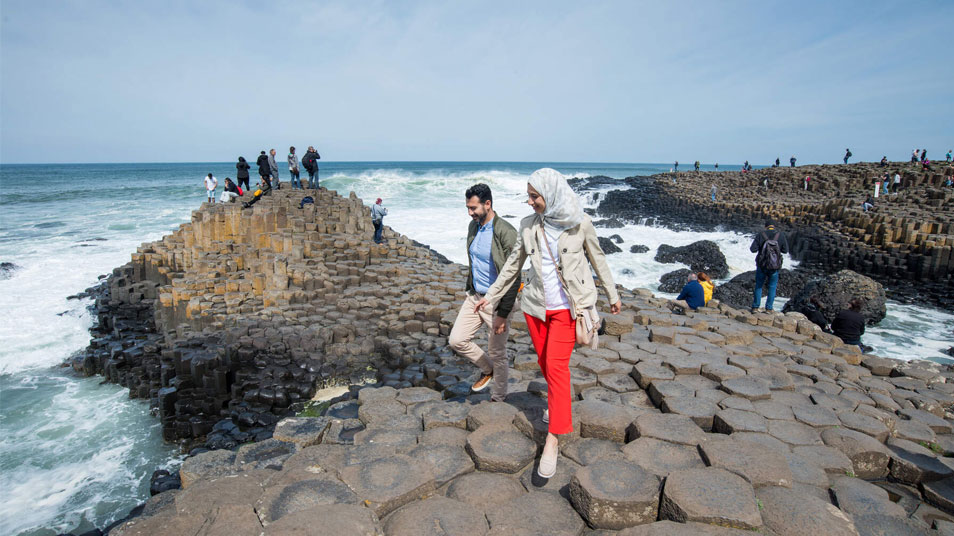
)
(482, 264)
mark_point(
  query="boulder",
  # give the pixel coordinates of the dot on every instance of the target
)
(608, 246)
(638, 248)
(702, 256)
(835, 291)
(673, 281)
(737, 292)
(615, 493)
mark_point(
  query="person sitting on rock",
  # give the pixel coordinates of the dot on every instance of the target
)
(868, 204)
(812, 311)
(265, 189)
(693, 296)
(707, 285)
(884, 161)
(849, 325)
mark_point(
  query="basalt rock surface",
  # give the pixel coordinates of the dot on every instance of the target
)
(906, 243)
(732, 422)
(701, 256)
(836, 291)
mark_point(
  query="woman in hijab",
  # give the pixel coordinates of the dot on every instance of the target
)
(560, 241)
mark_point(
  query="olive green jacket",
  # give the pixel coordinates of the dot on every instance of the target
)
(505, 236)
(578, 250)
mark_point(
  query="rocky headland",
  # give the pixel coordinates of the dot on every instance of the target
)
(905, 242)
(715, 422)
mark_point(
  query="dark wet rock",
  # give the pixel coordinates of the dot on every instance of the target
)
(673, 282)
(710, 495)
(737, 292)
(638, 248)
(7, 269)
(608, 246)
(837, 290)
(268, 454)
(388, 483)
(162, 481)
(437, 516)
(609, 223)
(614, 493)
(701, 256)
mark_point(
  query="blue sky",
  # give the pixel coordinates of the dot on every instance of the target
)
(118, 81)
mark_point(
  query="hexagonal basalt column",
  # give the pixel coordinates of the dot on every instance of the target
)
(389, 483)
(614, 494)
(500, 449)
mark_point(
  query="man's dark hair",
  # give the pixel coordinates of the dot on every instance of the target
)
(482, 191)
(769, 223)
(856, 304)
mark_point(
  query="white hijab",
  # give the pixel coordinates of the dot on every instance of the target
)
(563, 206)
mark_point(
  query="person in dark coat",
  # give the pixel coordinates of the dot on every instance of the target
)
(849, 325)
(812, 311)
(763, 275)
(264, 170)
(241, 175)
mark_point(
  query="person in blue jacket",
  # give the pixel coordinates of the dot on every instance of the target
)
(692, 296)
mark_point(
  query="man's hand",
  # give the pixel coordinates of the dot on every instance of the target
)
(616, 307)
(500, 324)
(480, 305)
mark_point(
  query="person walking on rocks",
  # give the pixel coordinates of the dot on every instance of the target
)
(241, 174)
(696, 165)
(310, 163)
(712, 191)
(769, 246)
(792, 160)
(273, 169)
(914, 156)
(897, 181)
(210, 184)
(378, 212)
(923, 155)
(777, 162)
(561, 242)
(849, 325)
(293, 168)
(847, 155)
(675, 166)
(948, 156)
(490, 241)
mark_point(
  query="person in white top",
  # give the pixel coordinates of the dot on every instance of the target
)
(210, 184)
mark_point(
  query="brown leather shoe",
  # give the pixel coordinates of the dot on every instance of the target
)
(482, 383)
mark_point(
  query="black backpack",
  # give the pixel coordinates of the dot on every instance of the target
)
(769, 258)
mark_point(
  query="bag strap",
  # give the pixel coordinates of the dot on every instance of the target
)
(546, 242)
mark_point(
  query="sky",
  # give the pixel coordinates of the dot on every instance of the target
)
(553, 81)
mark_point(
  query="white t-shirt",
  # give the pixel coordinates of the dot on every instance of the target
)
(897, 178)
(555, 296)
(210, 183)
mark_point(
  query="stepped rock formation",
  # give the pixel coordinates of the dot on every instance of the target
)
(905, 243)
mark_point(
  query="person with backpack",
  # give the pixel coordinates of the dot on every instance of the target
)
(847, 155)
(792, 160)
(310, 163)
(378, 212)
(769, 246)
(264, 171)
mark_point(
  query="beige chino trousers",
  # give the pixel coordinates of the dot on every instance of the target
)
(494, 360)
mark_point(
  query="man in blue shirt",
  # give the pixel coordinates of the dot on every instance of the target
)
(489, 242)
(692, 296)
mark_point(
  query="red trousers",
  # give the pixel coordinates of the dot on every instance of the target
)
(554, 341)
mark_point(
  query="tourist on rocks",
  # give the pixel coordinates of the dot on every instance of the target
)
(489, 242)
(884, 161)
(562, 244)
(310, 163)
(808, 180)
(925, 165)
(769, 246)
(712, 191)
(696, 165)
(868, 204)
(849, 325)
(745, 166)
(378, 212)
(948, 156)
(812, 311)
(675, 166)
(707, 285)
(792, 160)
(717, 166)
(885, 179)
(257, 195)
(692, 296)
(263, 170)
(897, 181)
(777, 162)
(914, 156)
(210, 184)
(241, 174)
(231, 191)
(293, 169)
(847, 155)
(273, 170)
(923, 155)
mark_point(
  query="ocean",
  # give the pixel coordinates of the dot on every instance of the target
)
(76, 453)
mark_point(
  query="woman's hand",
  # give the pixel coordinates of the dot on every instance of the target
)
(616, 307)
(480, 305)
